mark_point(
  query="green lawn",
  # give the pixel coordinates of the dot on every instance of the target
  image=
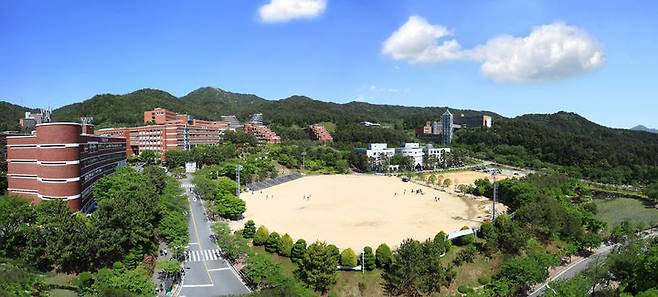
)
(615, 211)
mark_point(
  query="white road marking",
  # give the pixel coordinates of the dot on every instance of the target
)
(219, 269)
(198, 286)
(205, 252)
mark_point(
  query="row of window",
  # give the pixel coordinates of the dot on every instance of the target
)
(93, 160)
(94, 147)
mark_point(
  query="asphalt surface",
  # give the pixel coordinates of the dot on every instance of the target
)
(599, 254)
(206, 274)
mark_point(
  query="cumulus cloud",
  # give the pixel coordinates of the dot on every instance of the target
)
(549, 52)
(285, 10)
(417, 42)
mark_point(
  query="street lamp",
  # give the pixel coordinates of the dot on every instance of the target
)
(493, 210)
(237, 177)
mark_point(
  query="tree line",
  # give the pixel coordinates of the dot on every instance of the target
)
(112, 249)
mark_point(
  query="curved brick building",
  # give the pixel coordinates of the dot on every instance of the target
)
(61, 161)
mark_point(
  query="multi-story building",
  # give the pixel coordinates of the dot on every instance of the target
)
(320, 133)
(446, 127)
(377, 153)
(473, 121)
(437, 152)
(256, 118)
(262, 133)
(61, 161)
(412, 150)
(169, 131)
(30, 120)
(232, 121)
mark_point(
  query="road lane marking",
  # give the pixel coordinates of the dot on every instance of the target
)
(220, 269)
(196, 232)
(205, 252)
(198, 286)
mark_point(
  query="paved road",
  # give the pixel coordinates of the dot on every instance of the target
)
(599, 255)
(206, 274)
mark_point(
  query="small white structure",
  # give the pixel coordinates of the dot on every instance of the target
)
(190, 167)
(460, 233)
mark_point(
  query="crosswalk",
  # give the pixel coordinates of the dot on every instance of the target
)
(203, 255)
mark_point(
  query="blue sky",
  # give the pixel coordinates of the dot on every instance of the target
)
(423, 53)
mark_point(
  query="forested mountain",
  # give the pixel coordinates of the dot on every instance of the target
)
(584, 148)
(536, 140)
(9, 115)
(645, 129)
(210, 103)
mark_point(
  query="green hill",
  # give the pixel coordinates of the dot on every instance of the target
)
(535, 140)
(584, 148)
(210, 103)
(9, 115)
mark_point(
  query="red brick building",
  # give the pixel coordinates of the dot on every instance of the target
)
(319, 133)
(61, 161)
(262, 133)
(168, 131)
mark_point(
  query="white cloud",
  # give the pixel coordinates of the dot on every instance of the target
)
(417, 42)
(285, 10)
(549, 52)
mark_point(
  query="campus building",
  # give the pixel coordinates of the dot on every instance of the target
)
(168, 130)
(412, 150)
(447, 127)
(61, 161)
(473, 121)
(379, 154)
(261, 132)
(31, 120)
(319, 133)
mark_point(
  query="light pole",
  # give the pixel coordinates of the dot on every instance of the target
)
(303, 159)
(493, 210)
(237, 178)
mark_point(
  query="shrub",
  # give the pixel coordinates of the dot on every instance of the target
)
(84, 280)
(368, 258)
(272, 243)
(383, 256)
(483, 280)
(298, 250)
(249, 229)
(464, 289)
(284, 247)
(261, 235)
(466, 255)
(348, 258)
(335, 252)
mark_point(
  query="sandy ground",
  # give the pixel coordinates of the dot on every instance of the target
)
(467, 177)
(358, 210)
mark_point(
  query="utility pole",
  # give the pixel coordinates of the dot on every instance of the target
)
(363, 261)
(493, 210)
(237, 178)
(303, 159)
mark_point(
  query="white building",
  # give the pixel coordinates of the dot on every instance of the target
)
(412, 150)
(437, 152)
(378, 150)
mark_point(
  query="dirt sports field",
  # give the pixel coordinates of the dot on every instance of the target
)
(358, 210)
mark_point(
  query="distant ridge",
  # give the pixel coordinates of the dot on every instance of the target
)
(109, 110)
(645, 129)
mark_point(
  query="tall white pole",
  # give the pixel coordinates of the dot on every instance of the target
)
(237, 178)
(493, 213)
